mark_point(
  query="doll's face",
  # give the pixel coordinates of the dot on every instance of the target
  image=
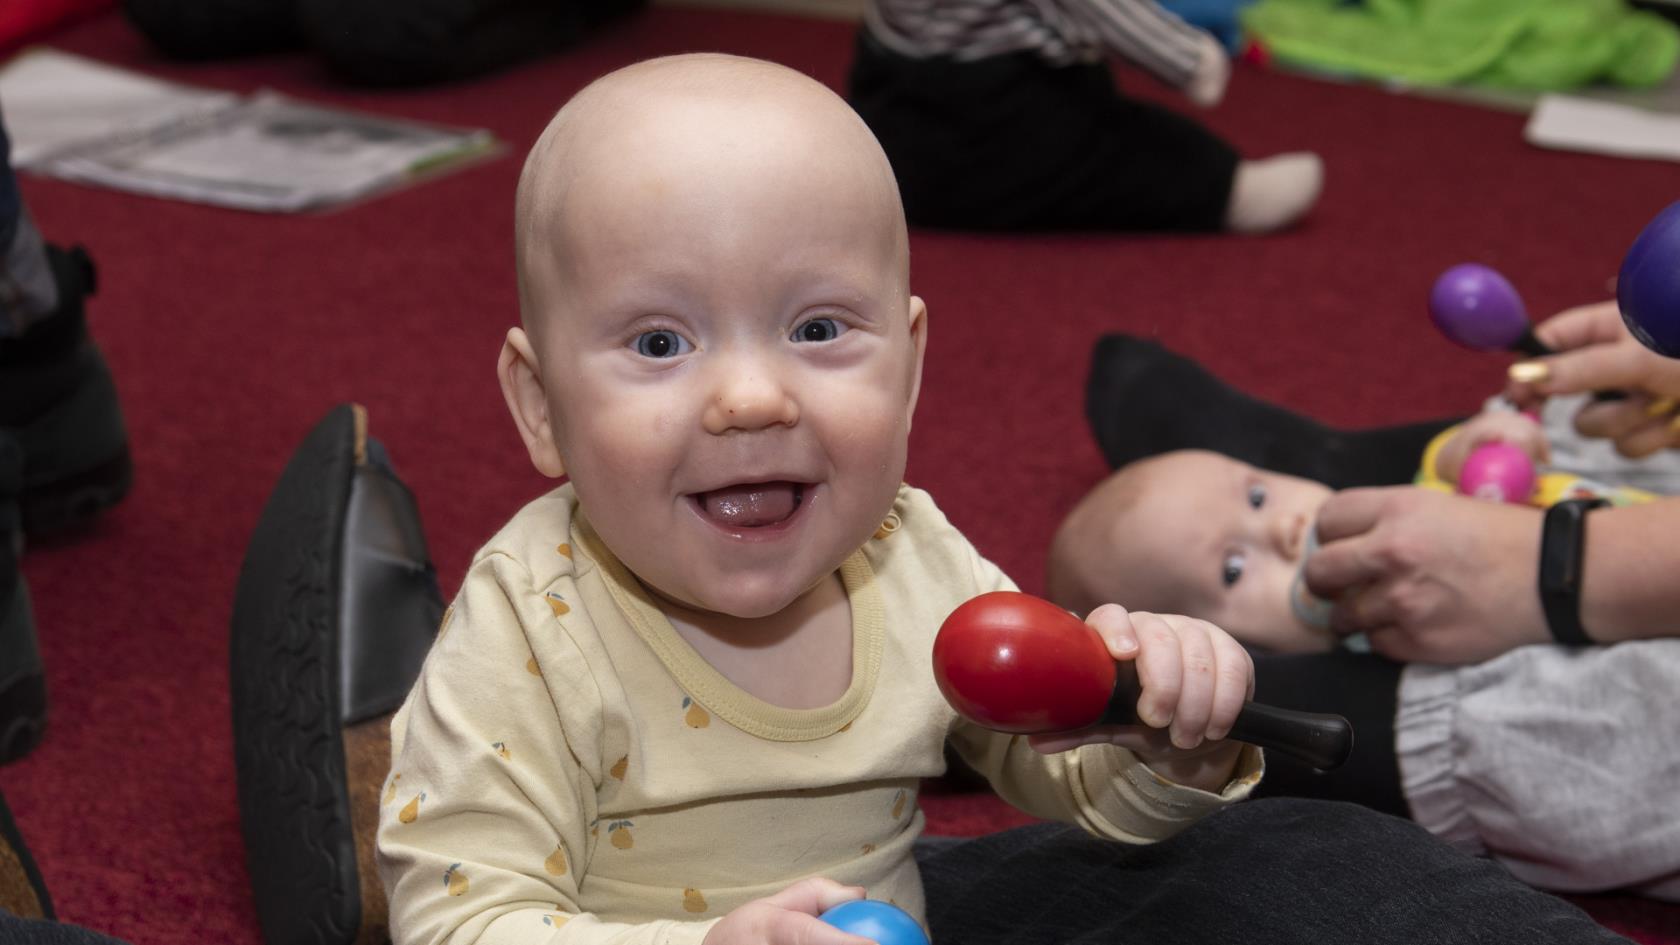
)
(1214, 538)
(727, 351)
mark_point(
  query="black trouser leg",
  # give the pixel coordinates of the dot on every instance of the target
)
(1273, 871)
(410, 42)
(1012, 143)
(1363, 687)
(216, 29)
(1142, 400)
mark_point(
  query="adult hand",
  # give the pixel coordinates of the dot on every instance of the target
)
(1429, 577)
(1596, 352)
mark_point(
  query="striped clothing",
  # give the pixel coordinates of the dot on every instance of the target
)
(1063, 32)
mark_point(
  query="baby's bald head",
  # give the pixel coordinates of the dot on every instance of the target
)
(659, 142)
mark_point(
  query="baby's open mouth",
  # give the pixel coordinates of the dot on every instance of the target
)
(752, 504)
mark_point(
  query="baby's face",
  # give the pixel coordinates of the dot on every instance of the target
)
(729, 351)
(1228, 539)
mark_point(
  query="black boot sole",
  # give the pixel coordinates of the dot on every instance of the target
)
(326, 642)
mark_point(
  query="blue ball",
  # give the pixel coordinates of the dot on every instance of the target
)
(1648, 286)
(873, 919)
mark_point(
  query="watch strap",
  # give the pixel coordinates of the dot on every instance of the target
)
(1563, 545)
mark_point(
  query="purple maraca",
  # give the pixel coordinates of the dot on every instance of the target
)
(1480, 309)
(1648, 286)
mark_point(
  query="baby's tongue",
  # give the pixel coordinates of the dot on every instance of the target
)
(749, 506)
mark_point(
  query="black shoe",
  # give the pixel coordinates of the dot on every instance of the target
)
(22, 893)
(23, 687)
(336, 607)
(58, 400)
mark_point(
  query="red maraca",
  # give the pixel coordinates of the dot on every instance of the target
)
(1015, 663)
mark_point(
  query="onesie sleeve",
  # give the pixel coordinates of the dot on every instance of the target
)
(484, 828)
(1141, 32)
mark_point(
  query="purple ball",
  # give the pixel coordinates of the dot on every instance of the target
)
(1498, 471)
(1478, 308)
(874, 919)
(1648, 285)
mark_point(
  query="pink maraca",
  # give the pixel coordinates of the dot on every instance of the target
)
(1498, 471)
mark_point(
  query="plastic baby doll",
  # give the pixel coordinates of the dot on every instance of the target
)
(687, 697)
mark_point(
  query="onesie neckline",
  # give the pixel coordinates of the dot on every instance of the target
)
(712, 689)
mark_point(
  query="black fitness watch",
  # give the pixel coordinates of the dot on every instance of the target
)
(1563, 546)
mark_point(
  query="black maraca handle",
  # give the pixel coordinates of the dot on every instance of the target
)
(1530, 346)
(1319, 739)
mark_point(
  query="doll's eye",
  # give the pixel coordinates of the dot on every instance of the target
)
(661, 344)
(1231, 570)
(1256, 495)
(818, 329)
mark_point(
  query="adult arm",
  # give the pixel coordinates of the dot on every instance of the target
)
(1154, 39)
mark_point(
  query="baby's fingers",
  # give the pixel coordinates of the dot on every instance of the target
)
(1197, 682)
(1160, 670)
(1114, 625)
(814, 895)
(796, 928)
(1235, 686)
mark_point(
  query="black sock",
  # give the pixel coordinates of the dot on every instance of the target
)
(1142, 400)
(1362, 687)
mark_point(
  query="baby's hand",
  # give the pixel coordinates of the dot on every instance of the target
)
(789, 917)
(1194, 678)
(1492, 426)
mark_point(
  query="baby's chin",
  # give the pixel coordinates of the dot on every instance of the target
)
(744, 604)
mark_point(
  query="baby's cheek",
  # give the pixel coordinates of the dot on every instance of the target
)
(1261, 612)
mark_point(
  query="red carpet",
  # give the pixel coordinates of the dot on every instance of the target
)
(230, 334)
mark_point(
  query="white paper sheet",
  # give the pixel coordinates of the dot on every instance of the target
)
(1577, 124)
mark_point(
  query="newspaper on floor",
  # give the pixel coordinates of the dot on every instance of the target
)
(81, 120)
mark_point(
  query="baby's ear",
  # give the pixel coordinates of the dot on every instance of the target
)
(918, 338)
(522, 386)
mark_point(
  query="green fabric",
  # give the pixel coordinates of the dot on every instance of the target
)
(1530, 44)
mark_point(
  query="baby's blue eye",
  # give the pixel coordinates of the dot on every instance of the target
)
(818, 329)
(1256, 495)
(1231, 570)
(661, 344)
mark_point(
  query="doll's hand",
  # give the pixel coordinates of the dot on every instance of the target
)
(1194, 679)
(789, 917)
(1492, 426)
(1213, 71)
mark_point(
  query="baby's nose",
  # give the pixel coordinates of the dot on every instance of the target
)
(1288, 531)
(749, 400)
